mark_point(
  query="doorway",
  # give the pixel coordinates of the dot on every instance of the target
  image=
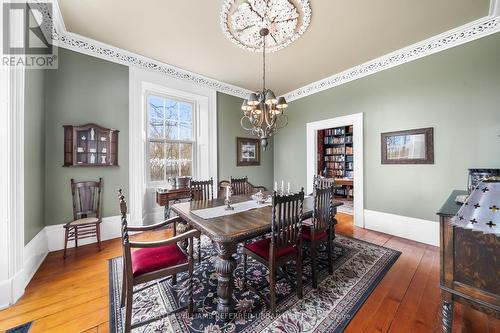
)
(334, 132)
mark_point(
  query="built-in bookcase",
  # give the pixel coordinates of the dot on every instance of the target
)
(335, 156)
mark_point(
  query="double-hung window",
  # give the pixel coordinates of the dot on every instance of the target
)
(170, 137)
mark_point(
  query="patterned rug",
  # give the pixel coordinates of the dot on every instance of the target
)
(358, 268)
(347, 207)
(24, 328)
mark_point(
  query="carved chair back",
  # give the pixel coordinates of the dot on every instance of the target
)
(323, 208)
(86, 198)
(202, 189)
(323, 182)
(239, 186)
(286, 220)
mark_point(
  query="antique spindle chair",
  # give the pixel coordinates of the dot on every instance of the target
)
(239, 186)
(283, 245)
(201, 190)
(320, 228)
(86, 213)
(322, 182)
(147, 261)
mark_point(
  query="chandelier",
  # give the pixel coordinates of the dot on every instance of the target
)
(262, 111)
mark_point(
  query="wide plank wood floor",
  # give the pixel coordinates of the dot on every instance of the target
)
(72, 295)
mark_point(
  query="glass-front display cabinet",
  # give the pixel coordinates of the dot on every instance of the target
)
(90, 145)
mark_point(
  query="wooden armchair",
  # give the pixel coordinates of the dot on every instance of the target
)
(86, 213)
(283, 245)
(321, 228)
(240, 186)
(201, 190)
(323, 182)
(146, 261)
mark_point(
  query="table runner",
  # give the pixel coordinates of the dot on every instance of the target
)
(209, 213)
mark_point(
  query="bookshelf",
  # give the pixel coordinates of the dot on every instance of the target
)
(335, 156)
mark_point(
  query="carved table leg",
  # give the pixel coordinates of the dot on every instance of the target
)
(225, 266)
(447, 313)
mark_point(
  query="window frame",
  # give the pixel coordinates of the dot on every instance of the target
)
(148, 141)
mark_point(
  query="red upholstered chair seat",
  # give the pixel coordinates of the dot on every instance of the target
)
(153, 259)
(261, 248)
(307, 234)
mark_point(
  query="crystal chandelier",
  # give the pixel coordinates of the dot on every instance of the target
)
(262, 111)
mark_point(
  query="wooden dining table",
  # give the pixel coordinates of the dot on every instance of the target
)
(229, 230)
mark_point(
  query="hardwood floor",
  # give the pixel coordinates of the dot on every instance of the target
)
(72, 295)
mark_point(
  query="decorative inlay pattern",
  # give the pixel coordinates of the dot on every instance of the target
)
(281, 17)
(432, 45)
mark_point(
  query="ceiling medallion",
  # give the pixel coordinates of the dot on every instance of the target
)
(286, 21)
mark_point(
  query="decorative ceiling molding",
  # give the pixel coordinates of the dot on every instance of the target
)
(62, 38)
(463, 34)
(466, 33)
(241, 24)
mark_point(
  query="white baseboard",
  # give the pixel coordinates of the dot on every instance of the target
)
(110, 228)
(419, 230)
(34, 254)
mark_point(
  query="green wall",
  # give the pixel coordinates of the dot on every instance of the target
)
(456, 91)
(228, 128)
(34, 153)
(83, 89)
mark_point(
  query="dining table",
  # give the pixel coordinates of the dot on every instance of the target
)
(230, 228)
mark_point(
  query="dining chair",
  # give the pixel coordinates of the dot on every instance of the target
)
(321, 227)
(201, 190)
(147, 261)
(283, 245)
(239, 186)
(323, 182)
(250, 188)
(86, 213)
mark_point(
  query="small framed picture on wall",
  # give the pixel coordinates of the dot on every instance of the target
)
(247, 151)
(408, 147)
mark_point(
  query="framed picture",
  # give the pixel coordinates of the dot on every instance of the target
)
(247, 151)
(408, 147)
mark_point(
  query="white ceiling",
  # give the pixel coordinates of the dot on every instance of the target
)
(342, 34)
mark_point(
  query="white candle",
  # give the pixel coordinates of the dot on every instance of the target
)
(282, 186)
(227, 192)
(276, 186)
(288, 188)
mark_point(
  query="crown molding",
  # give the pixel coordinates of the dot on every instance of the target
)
(466, 33)
(71, 41)
(463, 34)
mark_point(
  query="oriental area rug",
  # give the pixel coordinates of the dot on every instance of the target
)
(358, 268)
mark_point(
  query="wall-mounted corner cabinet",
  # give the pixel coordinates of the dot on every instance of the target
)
(90, 145)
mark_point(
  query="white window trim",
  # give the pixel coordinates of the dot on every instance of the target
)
(140, 82)
(194, 141)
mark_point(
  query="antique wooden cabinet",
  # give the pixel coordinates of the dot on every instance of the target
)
(470, 266)
(90, 145)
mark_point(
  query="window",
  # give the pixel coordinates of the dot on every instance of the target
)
(170, 137)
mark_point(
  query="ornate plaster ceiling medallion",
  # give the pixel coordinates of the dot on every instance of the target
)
(286, 20)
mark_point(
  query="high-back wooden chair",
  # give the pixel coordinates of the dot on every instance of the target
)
(322, 182)
(147, 261)
(202, 189)
(283, 245)
(321, 228)
(86, 213)
(239, 186)
(250, 188)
